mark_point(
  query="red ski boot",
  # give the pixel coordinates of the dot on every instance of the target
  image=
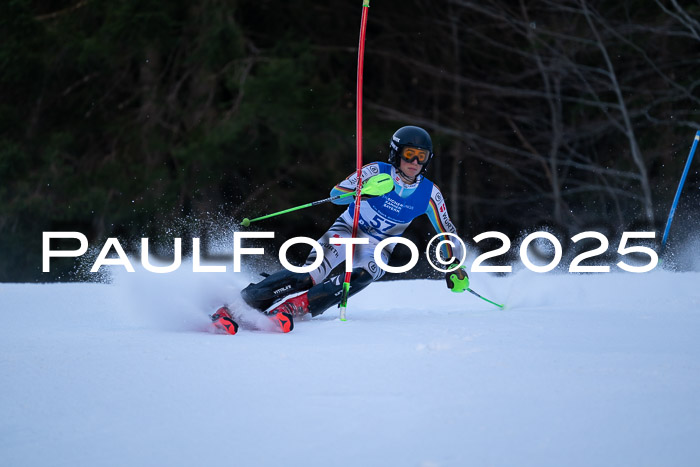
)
(284, 312)
(295, 306)
(223, 320)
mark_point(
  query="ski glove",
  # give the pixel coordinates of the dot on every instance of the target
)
(457, 279)
(378, 185)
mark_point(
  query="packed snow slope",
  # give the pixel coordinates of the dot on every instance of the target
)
(578, 370)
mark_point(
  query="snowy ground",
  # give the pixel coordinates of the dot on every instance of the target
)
(579, 370)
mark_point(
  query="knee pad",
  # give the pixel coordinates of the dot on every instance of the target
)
(328, 293)
(274, 287)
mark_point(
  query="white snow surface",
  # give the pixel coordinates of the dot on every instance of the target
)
(578, 370)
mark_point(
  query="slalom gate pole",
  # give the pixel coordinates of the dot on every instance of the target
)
(678, 191)
(358, 131)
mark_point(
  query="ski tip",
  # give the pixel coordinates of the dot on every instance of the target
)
(223, 321)
(284, 320)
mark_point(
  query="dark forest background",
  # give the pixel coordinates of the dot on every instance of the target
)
(144, 118)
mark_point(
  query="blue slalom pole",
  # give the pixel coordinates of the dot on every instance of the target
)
(678, 192)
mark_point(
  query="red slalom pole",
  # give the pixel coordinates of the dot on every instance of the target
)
(358, 131)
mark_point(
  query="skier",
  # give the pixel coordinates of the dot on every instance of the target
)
(286, 294)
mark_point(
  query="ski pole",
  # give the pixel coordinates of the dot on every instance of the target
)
(246, 222)
(376, 186)
(485, 299)
(678, 191)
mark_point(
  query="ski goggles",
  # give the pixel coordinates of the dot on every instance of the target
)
(410, 154)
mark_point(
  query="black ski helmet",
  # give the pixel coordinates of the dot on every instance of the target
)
(413, 136)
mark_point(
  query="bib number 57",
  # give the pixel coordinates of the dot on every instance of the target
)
(381, 224)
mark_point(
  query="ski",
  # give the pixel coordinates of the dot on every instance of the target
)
(223, 321)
